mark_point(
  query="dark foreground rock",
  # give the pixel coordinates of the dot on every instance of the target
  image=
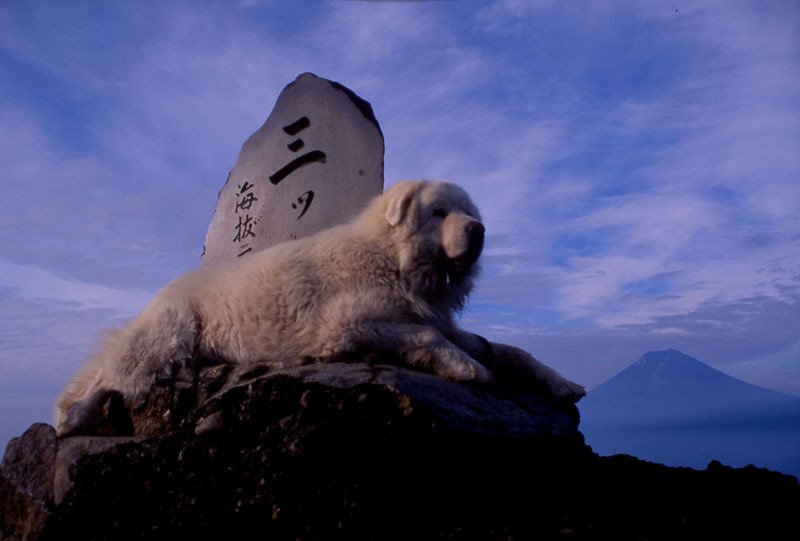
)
(356, 451)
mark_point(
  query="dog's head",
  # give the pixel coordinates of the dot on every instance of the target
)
(439, 234)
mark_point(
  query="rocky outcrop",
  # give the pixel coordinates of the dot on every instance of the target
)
(361, 451)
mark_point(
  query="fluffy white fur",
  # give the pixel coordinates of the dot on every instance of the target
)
(390, 280)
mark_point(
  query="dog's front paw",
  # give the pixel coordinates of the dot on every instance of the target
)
(564, 389)
(481, 373)
(462, 368)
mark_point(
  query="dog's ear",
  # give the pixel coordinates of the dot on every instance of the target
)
(399, 202)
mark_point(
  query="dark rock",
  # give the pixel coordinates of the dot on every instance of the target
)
(27, 475)
(358, 451)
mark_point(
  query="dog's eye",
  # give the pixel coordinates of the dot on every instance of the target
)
(439, 212)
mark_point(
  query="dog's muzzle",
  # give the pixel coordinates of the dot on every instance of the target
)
(461, 264)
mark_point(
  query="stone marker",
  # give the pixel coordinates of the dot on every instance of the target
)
(315, 163)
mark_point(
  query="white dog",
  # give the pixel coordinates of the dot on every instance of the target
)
(390, 280)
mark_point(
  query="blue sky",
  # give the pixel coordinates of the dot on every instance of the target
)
(636, 164)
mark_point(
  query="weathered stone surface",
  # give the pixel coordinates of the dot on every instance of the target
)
(364, 451)
(200, 399)
(26, 482)
(314, 164)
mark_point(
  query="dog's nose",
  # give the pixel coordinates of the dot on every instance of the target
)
(476, 233)
(476, 228)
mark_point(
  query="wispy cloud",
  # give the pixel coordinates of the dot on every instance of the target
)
(32, 283)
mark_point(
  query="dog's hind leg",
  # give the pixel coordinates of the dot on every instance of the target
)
(133, 359)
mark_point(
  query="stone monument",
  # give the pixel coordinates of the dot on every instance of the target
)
(315, 163)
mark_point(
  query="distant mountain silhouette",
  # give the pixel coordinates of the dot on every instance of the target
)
(670, 407)
(673, 388)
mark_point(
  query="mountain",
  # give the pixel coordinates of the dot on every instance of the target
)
(669, 387)
(670, 407)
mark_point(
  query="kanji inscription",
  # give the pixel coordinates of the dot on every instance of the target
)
(315, 163)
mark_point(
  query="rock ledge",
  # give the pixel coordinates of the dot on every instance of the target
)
(362, 451)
